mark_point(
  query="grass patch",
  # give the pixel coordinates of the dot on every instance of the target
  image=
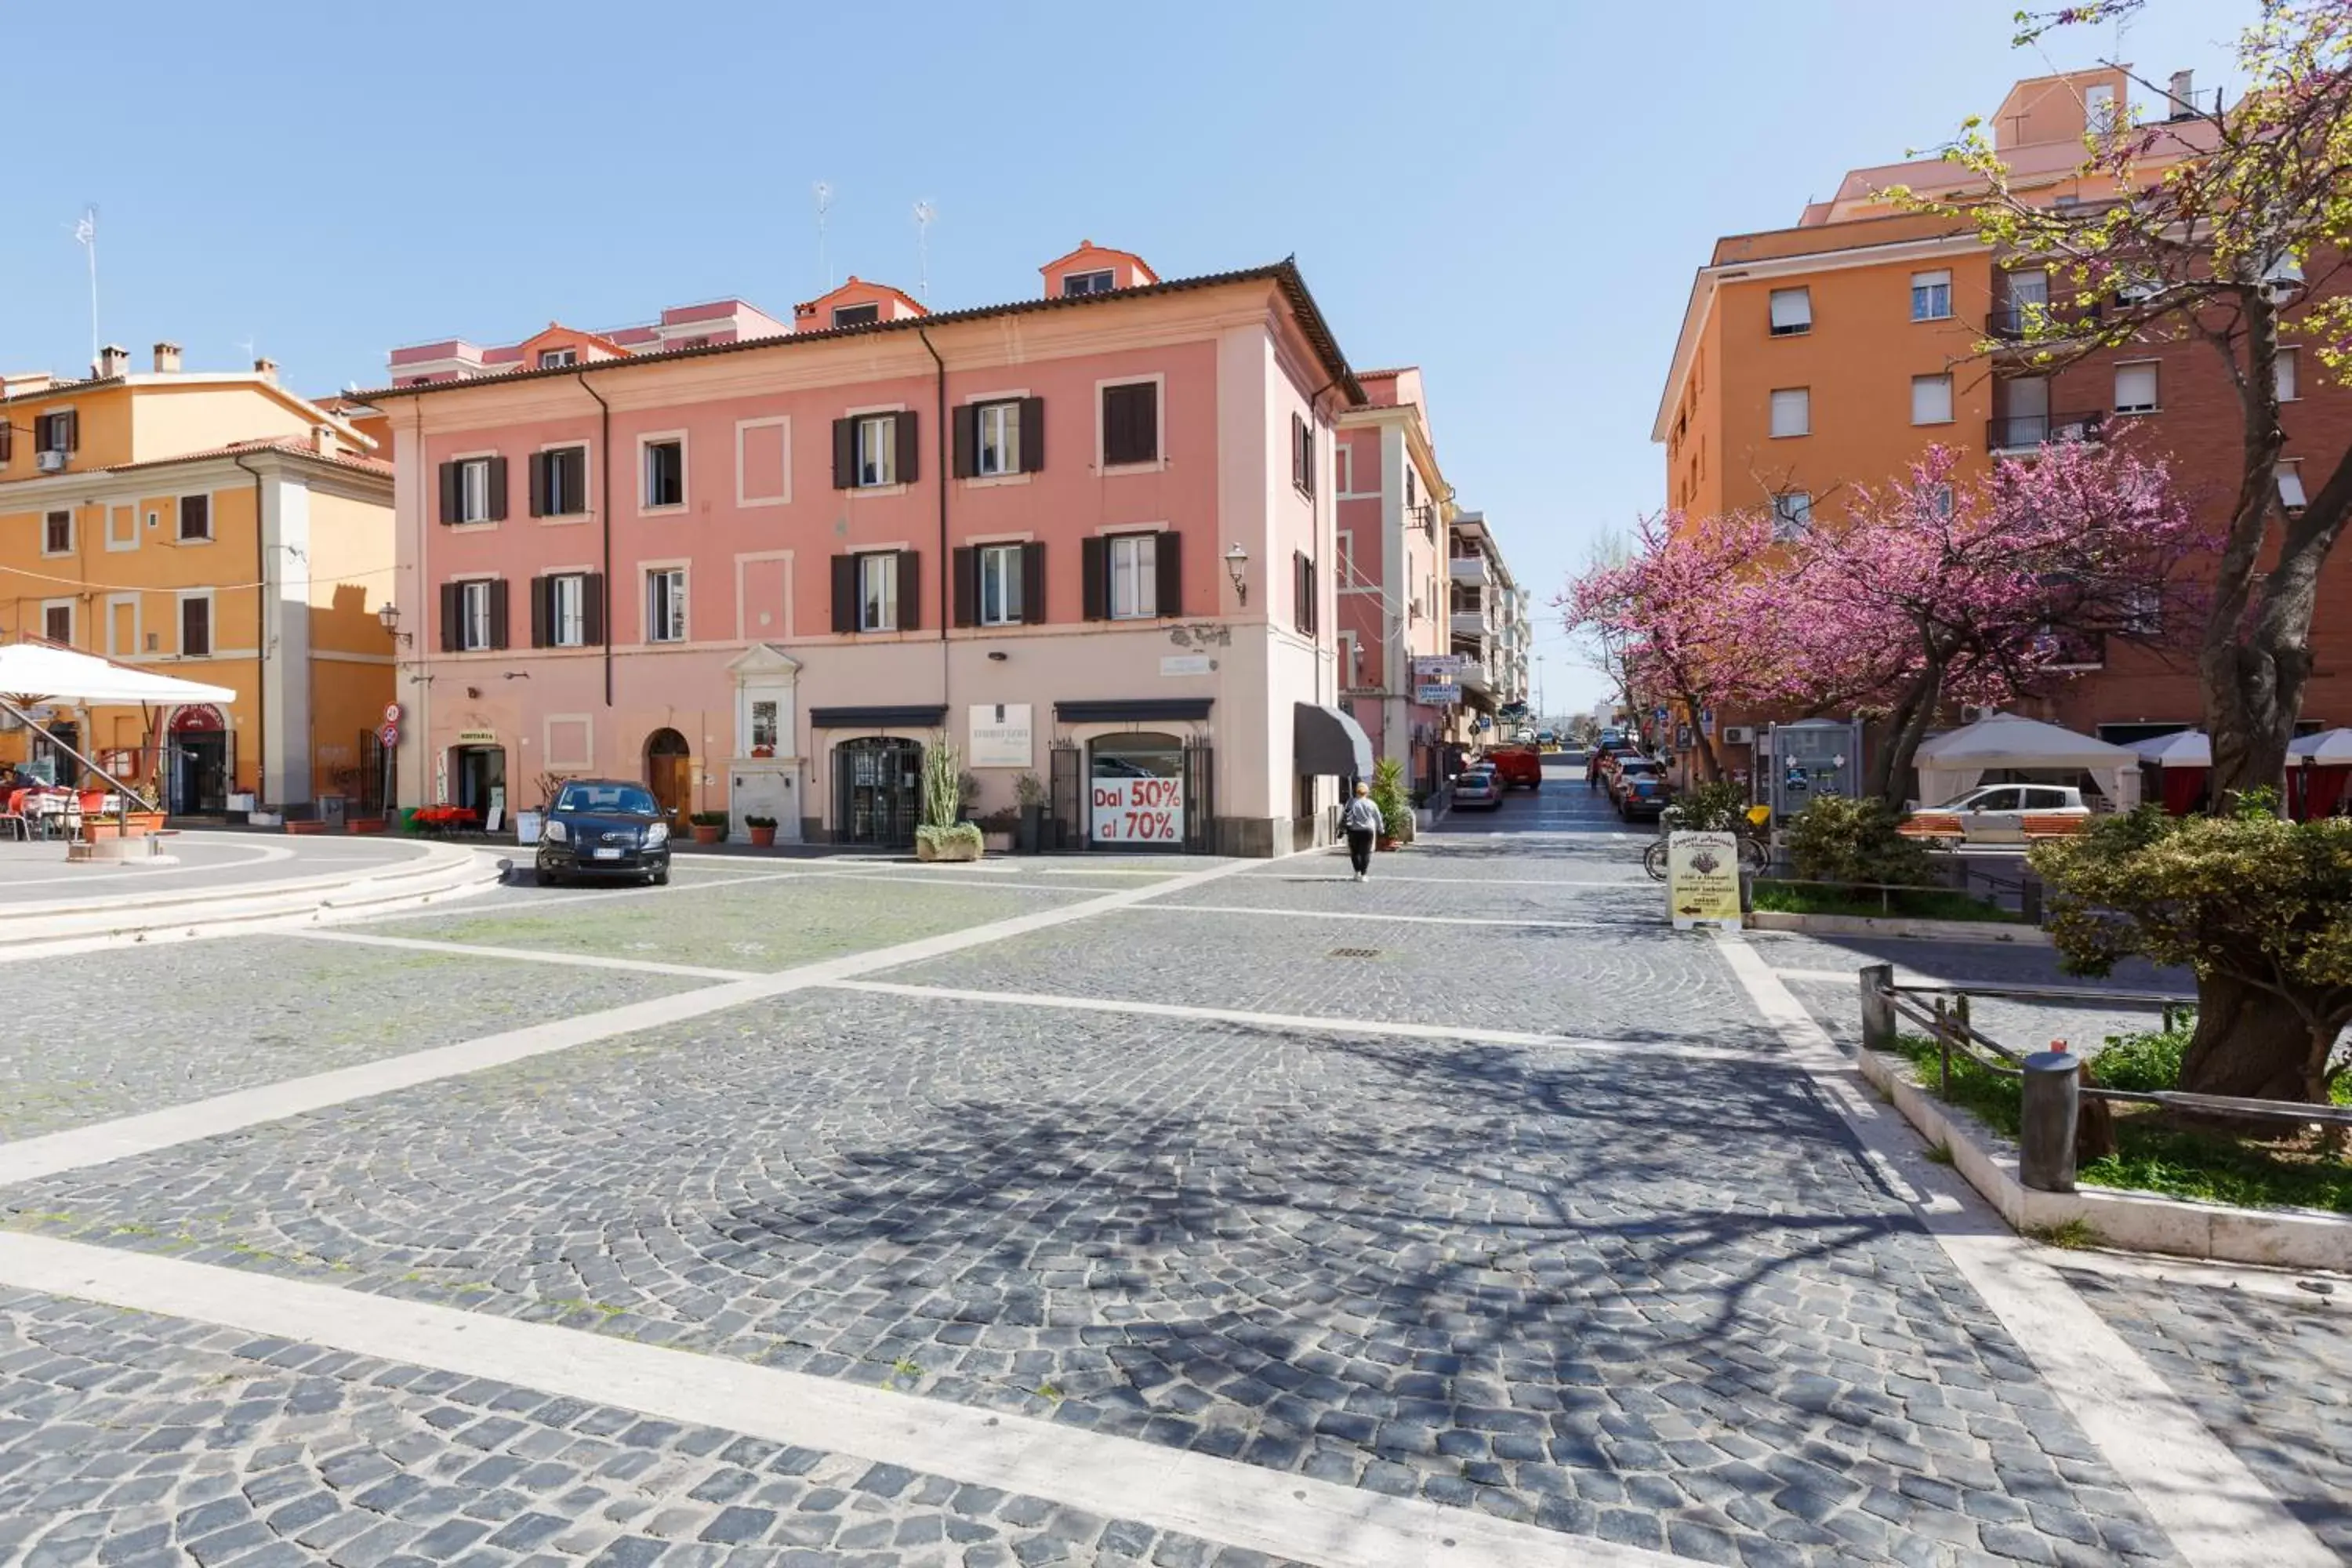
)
(2073, 1235)
(2153, 1157)
(1924, 904)
(1939, 1154)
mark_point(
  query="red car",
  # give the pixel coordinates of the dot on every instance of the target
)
(1517, 765)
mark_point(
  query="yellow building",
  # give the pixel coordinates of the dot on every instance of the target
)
(214, 526)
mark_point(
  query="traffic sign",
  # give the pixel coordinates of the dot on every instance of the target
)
(389, 734)
(391, 712)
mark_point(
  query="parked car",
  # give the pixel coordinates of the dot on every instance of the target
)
(604, 827)
(1477, 790)
(1624, 768)
(1996, 814)
(1518, 765)
(1643, 798)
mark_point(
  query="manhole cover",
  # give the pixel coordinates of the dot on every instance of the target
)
(1355, 952)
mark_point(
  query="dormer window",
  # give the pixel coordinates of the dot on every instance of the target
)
(1096, 282)
(556, 359)
(856, 315)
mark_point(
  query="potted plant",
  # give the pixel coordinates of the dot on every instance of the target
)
(709, 827)
(944, 836)
(997, 828)
(1389, 794)
(146, 814)
(1029, 793)
(763, 831)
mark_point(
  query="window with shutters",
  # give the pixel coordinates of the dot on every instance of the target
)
(559, 483)
(197, 625)
(1134, 576)
(1931, 400)
(996, 440)
(57, 621)
(473, 616)
(196, 519)
(878, 451)
(2135, 388)
(1130, 424)
(1792, 312)
(567, 610)
(1306, 592)
(1931, 296)
(665, 605)
(1793, 412)
(856, 315)
(665, 473)
(877, 592)
(473, 490)
(1000, 585)
(56, 533)
(57, 432)
(1086, 282)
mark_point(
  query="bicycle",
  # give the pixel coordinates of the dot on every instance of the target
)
(1753, 855)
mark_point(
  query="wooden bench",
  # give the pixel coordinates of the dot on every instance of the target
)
(2054, 825)
(1930, 825)
(306, 827)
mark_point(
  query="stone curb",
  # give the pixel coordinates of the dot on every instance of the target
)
(2130, 1220)
(1897, 926)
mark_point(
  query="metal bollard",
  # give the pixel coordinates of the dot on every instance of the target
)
(2051, 1103)
(1877, 1007)
(2029, 899)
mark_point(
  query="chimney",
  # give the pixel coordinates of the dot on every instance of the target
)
(267, 369)
(2183, 94)
(322, 439)
(167, 358)
(114, 360)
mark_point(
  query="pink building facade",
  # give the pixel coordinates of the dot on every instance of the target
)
(1086, 538)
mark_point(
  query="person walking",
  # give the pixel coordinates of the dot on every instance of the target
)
(1364, 824)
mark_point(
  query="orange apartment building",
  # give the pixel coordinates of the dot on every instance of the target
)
(1828, 355)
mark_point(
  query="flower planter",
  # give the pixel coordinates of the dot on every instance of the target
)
(1391, 843)
(763, 837)
(711, 834)
(955, 846)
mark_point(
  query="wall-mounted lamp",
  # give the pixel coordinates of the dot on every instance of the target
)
(998, 655)
(474, 693)
(388, 617)
(1236, 567)
(518, 675)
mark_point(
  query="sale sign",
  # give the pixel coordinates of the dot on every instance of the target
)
(1138, 811)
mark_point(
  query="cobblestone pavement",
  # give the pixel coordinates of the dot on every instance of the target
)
(1528, 1282)
(117, 1033)
(127, 1439)
(2272, 1379)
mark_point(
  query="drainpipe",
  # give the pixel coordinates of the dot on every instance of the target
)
(261, 628)
(604, 516)
(947, 584)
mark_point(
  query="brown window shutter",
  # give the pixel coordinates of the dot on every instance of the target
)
(499, 612)
(845, 467)
(1033, 582)
(910, 582)
(452, 608)
(1297, 451)
(1147, 421)
(1298, 588)
(72, 418)
(844, 592)
(591, 607)
(910, 467)
(538, 461)
(575, 479)
(540, 634)
(497, 489)
(967, 585)
(967, 440)
(1307, 439)
(1033, 434)
(1167, 556)
(449, 493)
(1095, 558)
(7, 441)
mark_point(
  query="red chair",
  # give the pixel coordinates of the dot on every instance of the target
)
(14, 813)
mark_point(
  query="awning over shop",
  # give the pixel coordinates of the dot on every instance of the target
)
(1135, 710)
(907, 716)
(1330, 744)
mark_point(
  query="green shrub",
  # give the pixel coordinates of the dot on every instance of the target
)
(1843, 839)
(709, 820)
(1388, 793)
(758, 821)
(2147, 1062)
(1717, 807)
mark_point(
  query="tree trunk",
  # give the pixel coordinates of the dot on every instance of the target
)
(2249, 1042)
(1907, 726)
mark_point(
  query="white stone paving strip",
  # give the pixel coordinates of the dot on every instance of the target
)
(694, 884)
(1281, 912)
(1222, 1500)
(78, 1148)
(1446, 1033)
(2217, 1512)
(530, 956)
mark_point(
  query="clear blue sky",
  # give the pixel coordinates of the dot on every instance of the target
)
(1512, 196)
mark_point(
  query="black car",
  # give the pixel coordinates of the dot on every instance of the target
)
(605, 828)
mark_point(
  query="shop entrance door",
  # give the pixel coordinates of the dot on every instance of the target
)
(200, 771)
(480, 779)
(1135, 794)
(670, 772)
(877, 791)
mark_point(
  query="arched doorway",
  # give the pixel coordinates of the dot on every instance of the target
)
(1136, 794)
(669, 772)
(878, 791)
(200, 759)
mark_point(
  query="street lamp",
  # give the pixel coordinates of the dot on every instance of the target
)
(388, 617)
(1236, 565)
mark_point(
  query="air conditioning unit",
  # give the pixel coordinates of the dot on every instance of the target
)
(1738, 734)
(52, 462)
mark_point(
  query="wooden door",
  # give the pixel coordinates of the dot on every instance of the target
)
(672, 782)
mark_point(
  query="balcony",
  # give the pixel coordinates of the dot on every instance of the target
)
(1472, 623)
(2024, 432)
(1469, 569)
(2010, 324)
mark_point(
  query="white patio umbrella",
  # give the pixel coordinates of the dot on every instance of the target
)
(2329, 748)
(2181, 749)
(32, 673)
(1951, 763)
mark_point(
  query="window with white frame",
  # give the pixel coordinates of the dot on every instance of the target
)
(1792, 513)
(567, 610)
(1931, 296)
(2290, 484)
(766, 712)
(1345, 542)
(2135, 388)
(473, 616)
(1793, 412)
(1792, 312)
(196, 627)
(2290, 368)
(1343, 467)
(1134, 576)
(998, 447)
(474, 490)
(665, 605)
(1931, 399)
(2099, 110)
(556, 359)
(1000, 585)
(58, 533)
(1942, 500)
(57, 621)
(1096, 282)
(877, 450)
(665, 472)
(877, 592)
(864, 315)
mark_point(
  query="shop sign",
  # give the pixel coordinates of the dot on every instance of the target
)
(1703, 880)
(1435, 695)
(1002, 736)
(198, 716)
(1187, 664)
(1437, 666)
(478, 737)
(1138, 811)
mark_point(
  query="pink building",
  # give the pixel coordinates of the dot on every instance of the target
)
(1085, 537)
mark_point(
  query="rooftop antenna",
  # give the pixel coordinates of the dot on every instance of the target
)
(824, 193)
(924, 213)
(247, 344)
(85, 232)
